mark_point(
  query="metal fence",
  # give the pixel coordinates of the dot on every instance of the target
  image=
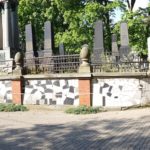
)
(53, 64)
(70, 64)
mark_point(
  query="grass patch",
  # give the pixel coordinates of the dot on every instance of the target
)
(12, 108)
(83, 110)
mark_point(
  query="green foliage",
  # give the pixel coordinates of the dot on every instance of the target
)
(73, 20)
(33, 11)
(83, 110)
(138, 30)
(12, 108)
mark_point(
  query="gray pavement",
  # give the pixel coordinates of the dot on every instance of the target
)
(55, 130)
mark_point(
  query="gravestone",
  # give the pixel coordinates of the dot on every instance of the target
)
(48, 39)
(98, 49)
(30, 59)
(125, 48)
(29, 41)
(148, 44)
(48, 46)
(61, 49)
(115, 52)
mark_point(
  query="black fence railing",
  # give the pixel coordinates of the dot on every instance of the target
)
(70, 64)
(54, 64)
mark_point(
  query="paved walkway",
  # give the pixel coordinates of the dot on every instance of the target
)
(54, 130)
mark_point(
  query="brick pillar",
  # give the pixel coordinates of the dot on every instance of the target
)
(85, 81)
(85, 92)
(17, 91)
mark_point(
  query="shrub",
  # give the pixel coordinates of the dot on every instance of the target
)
(83, 110)
(12, 108)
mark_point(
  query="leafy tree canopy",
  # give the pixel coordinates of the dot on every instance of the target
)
(138, 28)
(73, 20)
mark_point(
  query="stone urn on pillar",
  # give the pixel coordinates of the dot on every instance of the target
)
(84, 56)
(18, 62)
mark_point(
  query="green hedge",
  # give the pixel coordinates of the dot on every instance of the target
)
(12, 108)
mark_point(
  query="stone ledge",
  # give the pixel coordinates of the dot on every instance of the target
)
(121, 74)
(10, 77)
(58, 76)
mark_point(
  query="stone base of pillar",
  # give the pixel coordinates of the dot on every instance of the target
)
(84, 69)
(124, 51)
(30, 60)
(47, 53)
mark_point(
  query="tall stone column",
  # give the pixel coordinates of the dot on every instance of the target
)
(6, 24)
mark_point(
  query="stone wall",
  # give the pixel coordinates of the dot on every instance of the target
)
(51, 92)
(110, 90)
(5, 91)
(120, 92)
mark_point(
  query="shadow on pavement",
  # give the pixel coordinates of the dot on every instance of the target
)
(88, 135)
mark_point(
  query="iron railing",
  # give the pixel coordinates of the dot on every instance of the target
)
(53, 64)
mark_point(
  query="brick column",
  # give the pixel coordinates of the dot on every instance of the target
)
(85, 92)
(85, 80)
(17, 91)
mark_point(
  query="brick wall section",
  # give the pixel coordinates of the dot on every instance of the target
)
(16, 91)
(84, 92)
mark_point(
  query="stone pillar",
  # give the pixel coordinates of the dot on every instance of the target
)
(3, 26)
(6, 21)
(7, 25)
(17, 90)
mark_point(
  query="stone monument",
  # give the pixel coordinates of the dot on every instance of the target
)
(30, 41)
(30, 46)
(148, 44)
(48, 46)
(98, 49)
(115, 52)
(9, 35)
(48, 39)
(125, 48)
(61, 49)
